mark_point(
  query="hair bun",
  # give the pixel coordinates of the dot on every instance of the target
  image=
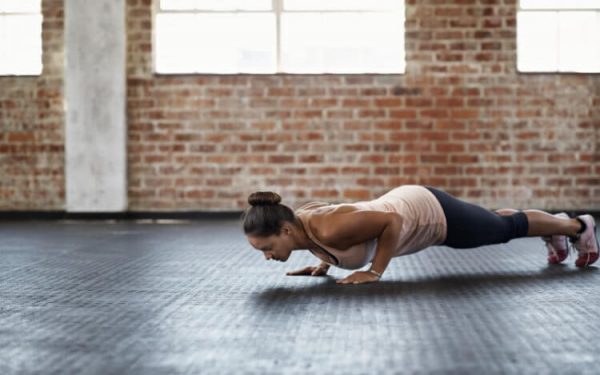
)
(264, 198)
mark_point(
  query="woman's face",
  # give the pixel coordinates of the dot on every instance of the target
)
(274, 247)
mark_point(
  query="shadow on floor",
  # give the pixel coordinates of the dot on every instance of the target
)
(450, 284)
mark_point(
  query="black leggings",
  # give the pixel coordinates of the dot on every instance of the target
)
(470, 225)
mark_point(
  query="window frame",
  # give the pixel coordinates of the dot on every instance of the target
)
(277, 9)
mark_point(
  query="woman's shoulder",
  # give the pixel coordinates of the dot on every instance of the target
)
(324, 208)
(313, 205)
(323, 219)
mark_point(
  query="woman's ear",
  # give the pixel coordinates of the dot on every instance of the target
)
(287, 228)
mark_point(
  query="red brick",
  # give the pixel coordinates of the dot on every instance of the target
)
(372, 91)
(448, 169)
(354, 170)
(403, 114)
(393, 171)
(579, 169)
(434, 113)
(279, 159)
(371, 113)
(324, 102)
(357, 194)
(464, 159)
(338, 114)
(404, 136)
(264, 148)
(434, 158)
(449, 102)
(419, 102)
(449, 147)
(464, 113)
(21, 137)
(434, 135)
(355, 103)
(384, 125)
(389, 102)
(449, 125)
(280, 91)
(307, 114)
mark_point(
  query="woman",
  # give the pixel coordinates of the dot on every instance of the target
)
(405, 220)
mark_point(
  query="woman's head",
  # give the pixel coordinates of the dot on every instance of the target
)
(270, 226)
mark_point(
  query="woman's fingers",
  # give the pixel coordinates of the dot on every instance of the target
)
(303, 271)
(312, 271)
(319, 272)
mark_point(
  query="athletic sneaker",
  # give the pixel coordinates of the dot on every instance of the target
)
(586, 242)
(558, 246)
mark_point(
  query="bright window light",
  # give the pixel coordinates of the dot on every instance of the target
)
(343, 4)
(537, 41)
(560, 4)
(558, 36)
(217, 43)
(579, 41)
(216, 4)
(20, 6)
(20, 37)
(279, 36)
(342, 43)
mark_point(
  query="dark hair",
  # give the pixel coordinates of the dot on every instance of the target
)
(267, 214)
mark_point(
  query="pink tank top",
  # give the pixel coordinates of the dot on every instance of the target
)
(423, 225)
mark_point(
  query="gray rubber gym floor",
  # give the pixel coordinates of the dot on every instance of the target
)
(195, 297)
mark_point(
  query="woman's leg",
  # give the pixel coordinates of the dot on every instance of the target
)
(549, 226)
(470, 225)
(542, 223)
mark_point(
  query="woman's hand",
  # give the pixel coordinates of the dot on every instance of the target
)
(312, 271)
(359, 277)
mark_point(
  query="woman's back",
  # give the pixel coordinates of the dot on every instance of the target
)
(424, 224)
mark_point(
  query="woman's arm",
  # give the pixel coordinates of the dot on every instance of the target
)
(343, 230)
(386, 244)
(348, 229)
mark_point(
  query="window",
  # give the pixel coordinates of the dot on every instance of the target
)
(279, 36)
(20, 37)
(558, 36)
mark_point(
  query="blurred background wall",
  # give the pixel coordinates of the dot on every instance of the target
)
(461, 118)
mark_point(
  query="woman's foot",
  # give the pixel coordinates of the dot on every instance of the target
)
(586, 242)
(558, 246)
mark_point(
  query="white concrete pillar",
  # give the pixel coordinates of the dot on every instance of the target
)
(95, 106)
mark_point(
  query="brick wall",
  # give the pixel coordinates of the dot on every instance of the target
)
(461, 119)
(32, 127)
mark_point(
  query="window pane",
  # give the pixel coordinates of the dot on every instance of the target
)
(21, 44)
(343, 42)
(537, 41)
(579, 41)
(215, 43)
(29, 6)
(216, 4)
(342, 4)
(560, 4)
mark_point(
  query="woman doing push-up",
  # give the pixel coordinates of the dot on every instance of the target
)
(404, 220)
